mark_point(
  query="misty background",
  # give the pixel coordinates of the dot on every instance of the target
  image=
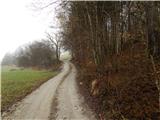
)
(23, 22)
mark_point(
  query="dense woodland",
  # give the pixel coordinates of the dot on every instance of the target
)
(101, 29)
(116, 46)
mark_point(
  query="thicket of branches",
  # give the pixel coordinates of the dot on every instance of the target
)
(37, 54)
(93, 31)
(114, 44)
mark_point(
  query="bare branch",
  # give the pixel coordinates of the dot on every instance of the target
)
(49, 4)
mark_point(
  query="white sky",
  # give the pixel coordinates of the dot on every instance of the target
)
(19, 24)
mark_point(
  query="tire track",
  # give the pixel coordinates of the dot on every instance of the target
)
(36, 106)
(68, 104)
(54, 105)
(56, 99)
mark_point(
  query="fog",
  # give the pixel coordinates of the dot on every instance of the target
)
(21, 22)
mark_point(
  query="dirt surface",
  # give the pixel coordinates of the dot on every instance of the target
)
(57, 99)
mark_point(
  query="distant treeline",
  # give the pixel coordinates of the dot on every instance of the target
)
(37, 54)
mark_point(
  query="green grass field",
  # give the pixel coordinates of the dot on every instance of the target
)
(16, 83)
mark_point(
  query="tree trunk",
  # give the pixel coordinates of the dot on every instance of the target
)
(149, 7)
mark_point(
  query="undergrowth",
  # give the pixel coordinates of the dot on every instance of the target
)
(127, 88)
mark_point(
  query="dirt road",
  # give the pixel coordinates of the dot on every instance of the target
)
(57, 99)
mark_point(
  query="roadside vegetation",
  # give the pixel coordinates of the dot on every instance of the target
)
(116, 47)
(17, 82)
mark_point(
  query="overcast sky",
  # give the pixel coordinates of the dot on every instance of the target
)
(19, 24)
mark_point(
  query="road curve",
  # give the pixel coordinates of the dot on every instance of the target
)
(40, 104)
(70, 104)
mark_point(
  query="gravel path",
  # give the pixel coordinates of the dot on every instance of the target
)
(57, 99)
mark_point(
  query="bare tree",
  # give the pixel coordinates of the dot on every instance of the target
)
(55, 41)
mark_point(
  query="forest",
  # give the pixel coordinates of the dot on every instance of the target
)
(116, 48)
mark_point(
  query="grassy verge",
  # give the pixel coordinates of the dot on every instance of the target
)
(16, 83)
